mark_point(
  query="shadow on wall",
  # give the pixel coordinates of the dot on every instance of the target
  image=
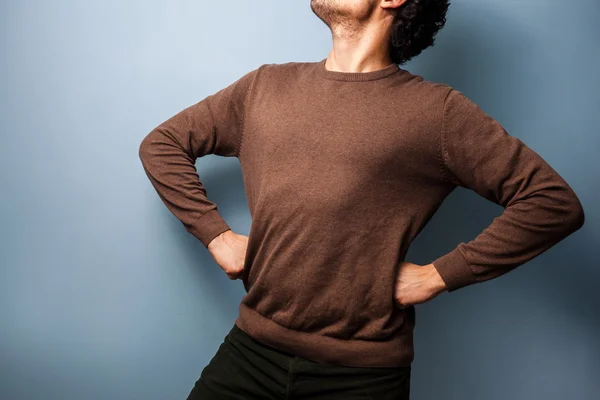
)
(533, 331)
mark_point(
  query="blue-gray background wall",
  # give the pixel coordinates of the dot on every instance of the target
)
(104, 295)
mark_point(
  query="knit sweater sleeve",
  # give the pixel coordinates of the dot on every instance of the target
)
(214, 125)
(540, 208)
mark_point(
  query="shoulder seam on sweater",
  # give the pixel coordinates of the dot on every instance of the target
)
(446, 174)
(441, 139)
(243, 116)
(213, 130)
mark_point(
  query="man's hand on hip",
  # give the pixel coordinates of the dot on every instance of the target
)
(417, 284)
(229, 251)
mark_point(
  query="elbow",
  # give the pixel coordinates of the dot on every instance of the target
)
(577, 215)
(144, 149)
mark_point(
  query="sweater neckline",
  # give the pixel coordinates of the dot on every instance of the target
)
(355, 76)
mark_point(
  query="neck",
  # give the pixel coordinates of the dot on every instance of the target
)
(359, 49)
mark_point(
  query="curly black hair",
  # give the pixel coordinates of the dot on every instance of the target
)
(415, 25)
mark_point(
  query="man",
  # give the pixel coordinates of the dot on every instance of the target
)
(345, 160)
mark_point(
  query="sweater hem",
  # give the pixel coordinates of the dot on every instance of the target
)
(396, 352)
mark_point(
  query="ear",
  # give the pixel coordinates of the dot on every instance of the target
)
(391, 4)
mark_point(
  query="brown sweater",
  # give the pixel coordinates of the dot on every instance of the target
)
(342, 171)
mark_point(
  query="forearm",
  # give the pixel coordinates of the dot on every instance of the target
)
(540, 208)
(173, 175)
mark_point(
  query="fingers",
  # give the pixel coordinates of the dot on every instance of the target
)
(399, 304)
(235, 274)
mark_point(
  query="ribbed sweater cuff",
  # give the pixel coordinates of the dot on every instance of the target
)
(208, 226)
(454, 270)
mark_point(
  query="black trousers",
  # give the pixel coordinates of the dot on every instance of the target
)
(245, 369)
